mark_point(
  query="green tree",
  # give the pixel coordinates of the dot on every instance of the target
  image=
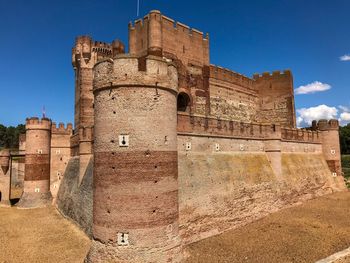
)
(9, 136)
(344, 133)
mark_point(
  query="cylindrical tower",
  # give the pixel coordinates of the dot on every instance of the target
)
(331, 145)
(5, 177)
(36, 190)
(135, 217)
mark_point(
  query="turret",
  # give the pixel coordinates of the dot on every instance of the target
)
(135, 217)
(5, 177)
(36, 192)
(331, 145)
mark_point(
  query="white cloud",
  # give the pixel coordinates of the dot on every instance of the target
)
(312, 88)
(345, 58)
(307, 115)
(345, 117)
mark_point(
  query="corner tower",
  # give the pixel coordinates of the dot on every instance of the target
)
(135, 216)
(330, 144)
(36, 190)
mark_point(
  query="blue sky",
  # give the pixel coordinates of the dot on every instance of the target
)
(308, 37)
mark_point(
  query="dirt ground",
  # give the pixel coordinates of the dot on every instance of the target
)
(305, 233)
(40, 235)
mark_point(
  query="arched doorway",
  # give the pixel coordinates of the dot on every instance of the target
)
(183, 102)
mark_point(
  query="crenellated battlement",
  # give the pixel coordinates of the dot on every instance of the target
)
(159, 35)
(34, 123)
(61, 129)
(274, 74)
(205, 126)
(231, 76)
(141, 23)
(218, 127)
(87, 52)
(324, 125)
(300, 135)
(137, 71)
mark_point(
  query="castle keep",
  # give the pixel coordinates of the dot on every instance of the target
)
(168, 149)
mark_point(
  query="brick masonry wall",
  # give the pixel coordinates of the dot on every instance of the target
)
(225, 183)
(59, 157)
(135, 183)
(74, 198)
(276, 98)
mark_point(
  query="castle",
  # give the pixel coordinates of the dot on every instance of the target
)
(168, 149)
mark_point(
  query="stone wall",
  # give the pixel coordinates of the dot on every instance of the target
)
(232, 95)
(60, 154)
(276, 98)
(74, 200)
(225, 183)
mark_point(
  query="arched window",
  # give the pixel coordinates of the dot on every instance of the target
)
(183, 102)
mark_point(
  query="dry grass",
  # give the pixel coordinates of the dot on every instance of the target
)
(305, 233)
(40, 235)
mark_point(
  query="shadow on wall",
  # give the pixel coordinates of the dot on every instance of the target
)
(183, 102)
(73, 200)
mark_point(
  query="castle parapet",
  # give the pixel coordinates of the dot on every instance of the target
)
(129, 70)
(60, 129)
(35, 123)
(198, 125)
(224, 74)
(300, 135)
(273, 75)
(325, 125)
(87, 52)
(159, 35)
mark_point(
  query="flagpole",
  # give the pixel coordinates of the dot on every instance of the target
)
(138, 7)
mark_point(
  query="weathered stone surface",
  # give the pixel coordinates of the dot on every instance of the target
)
(220, 191)
(74, 200)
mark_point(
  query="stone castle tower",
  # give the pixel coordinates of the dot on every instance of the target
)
(36, 191)
(85, 55)
(135, 160)
(330, 143)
